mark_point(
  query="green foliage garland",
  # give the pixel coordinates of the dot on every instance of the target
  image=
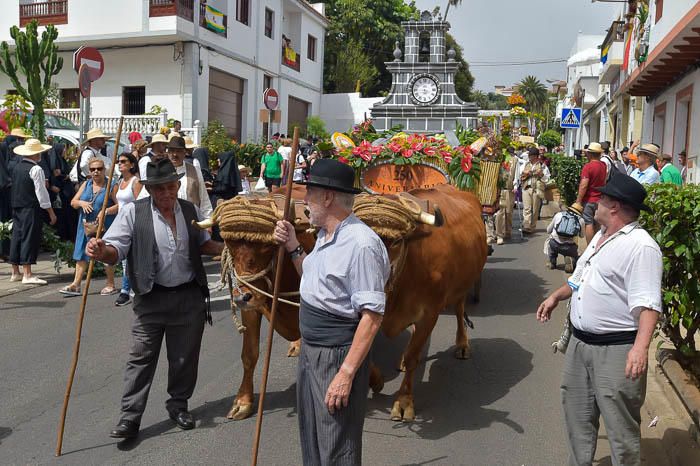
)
(566, 172)
(550, 139)
(674, 222)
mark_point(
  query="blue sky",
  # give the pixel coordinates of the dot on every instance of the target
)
(521, 30)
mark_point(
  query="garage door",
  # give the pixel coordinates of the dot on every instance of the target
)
(226, 101)
(297, 112)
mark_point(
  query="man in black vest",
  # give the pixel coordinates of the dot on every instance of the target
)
(165, 270)
(29, 197)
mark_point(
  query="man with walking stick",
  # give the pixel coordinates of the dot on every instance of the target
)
(163, 249)
(342, 304)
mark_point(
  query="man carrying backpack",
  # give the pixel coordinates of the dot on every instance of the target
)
(564, 227)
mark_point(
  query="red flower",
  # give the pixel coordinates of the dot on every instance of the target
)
(343, 160)
(408, 153)
(417, 146)
(429, 151)
(446, 156)
(394, 146)
(466, 164)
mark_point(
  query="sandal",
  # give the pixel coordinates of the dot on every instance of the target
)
(107, 291)
(70, 291)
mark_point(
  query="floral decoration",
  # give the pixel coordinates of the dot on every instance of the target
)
(516, 99)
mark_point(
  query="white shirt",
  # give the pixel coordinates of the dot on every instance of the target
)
(204, 201)
(285, 152)
(552, 228)
(173, 266)
(298, 171)
(87, 154)
(143, 162)
(37, 176)
(617, 282)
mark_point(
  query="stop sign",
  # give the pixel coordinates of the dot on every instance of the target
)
(271, 99)
(92, 58)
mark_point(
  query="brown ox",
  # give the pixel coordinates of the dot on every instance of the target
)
(442, 265)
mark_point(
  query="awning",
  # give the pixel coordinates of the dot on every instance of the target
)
(675, 55)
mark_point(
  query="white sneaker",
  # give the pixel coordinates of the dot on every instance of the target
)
(33, 281)
(499, 241)
(16, 278)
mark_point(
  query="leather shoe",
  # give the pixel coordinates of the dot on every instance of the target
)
(125, 429)
(183, 419)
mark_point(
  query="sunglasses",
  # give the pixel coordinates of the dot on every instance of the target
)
(123, 161)
(96, 169)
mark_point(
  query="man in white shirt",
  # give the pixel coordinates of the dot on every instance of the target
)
(95, 141)
(192, 186)
(29, 197)
(615, 296)
(156, 149)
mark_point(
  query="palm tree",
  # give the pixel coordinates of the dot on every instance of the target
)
(451, 3)
(534, 92)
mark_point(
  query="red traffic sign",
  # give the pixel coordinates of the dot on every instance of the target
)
(271, 99)
(84, 81)
(92, 58)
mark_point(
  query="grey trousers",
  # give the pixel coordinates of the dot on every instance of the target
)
(329, 439)
(179, 317)
(594, 384)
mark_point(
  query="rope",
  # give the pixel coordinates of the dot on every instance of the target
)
(391, 218)
(247, 219)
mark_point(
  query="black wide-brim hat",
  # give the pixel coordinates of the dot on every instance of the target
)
(333, 175)
(626, 189)
(159, 172)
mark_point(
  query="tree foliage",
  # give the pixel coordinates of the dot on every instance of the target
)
(550, 139)
(32, 57)
(354, 65)
(490, 101)
(534, 92)
(464, 80)
(674, 222)
(566, 172)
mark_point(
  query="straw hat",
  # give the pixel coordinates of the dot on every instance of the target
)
(189, 143)
(95, 133)
(650, 149)
(173, 134)
(19, 132)
(157, 138)
(595, 147)
(576, 208)
(31, 147)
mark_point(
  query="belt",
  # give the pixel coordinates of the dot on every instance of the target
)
(605, 339)
(183, 286)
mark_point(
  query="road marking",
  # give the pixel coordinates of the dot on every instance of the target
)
(220, 298)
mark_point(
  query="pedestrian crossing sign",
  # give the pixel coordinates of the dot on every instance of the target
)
(570, 118)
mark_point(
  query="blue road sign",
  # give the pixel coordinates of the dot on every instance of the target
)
(570, 118)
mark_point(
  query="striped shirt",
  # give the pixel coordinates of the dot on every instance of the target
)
(347, 273)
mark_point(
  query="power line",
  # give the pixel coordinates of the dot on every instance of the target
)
(517, 63)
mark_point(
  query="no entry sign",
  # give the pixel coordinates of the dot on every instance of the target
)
(271, 99)
(92, 58)
(84, 81)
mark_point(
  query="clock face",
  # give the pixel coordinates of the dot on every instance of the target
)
(424, 90)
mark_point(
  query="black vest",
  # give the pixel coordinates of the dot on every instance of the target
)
(143, 254)
(23, 194)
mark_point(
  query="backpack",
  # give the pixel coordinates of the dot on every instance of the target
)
(569, 225)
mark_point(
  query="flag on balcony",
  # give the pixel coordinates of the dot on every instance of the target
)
(290, 56)
(628, 43)
(214, 19)
(604, 53)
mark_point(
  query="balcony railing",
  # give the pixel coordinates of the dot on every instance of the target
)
(616, 33)
(215, 27)
(49, 12)
(291, 58)
(182, 8)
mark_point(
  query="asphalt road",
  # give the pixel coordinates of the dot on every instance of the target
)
(501, 407)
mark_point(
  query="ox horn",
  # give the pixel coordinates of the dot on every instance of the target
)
(208, 223)
(436, 219)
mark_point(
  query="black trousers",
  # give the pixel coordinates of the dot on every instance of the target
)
(565, 249)
(179, 317)
(27, 223)
(5, 216)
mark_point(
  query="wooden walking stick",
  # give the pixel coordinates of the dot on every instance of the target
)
(81, 315)
(275, 297)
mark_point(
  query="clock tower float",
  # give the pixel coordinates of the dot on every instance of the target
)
(422, 98)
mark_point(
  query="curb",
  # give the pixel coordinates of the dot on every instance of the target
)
(684, 388)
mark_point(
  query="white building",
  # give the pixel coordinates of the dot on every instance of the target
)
(161, 52)
(583, 91)
(668, 78)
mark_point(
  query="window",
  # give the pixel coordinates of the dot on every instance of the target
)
(659, 10)
(69, 98)
(134, 100)
(243, 11)
(311, 48)
(269, 22)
